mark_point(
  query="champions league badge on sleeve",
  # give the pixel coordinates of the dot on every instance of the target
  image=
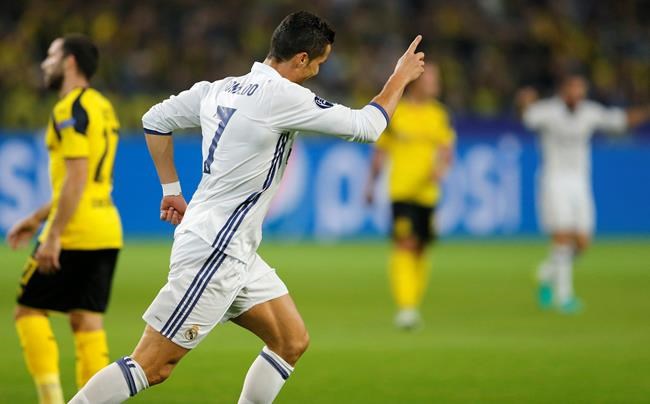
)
(322, 102)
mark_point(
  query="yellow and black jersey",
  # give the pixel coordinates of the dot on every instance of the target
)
(84, 125)
(412, 141)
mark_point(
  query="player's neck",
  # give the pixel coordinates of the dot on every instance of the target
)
(72, 82)
(284, 69)
(571, 106)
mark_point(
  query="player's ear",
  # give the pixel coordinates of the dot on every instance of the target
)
(69, 62)
(301, 59)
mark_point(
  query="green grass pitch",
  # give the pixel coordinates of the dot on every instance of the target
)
(484, 339)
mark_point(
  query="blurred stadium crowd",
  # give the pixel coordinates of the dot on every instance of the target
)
(486, 48)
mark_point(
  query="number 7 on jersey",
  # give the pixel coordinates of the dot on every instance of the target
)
(223, 114)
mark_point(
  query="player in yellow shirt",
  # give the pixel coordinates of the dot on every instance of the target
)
(419, 146)
(72, 267)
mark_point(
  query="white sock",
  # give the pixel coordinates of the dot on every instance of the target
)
(546, 271)
(563, 263)
(265, 378)
(113, 384)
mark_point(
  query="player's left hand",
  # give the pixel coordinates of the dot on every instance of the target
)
(172, 209)
(411, 65)
(20, 233)
(47, 255)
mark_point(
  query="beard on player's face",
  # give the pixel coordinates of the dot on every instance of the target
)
(52, 66)
(54, 80)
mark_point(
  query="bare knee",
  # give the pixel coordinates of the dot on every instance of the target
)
(85, 321)
(23, 311)
(582, 242)
(156, 372)
(407, 243)
(291, 348)
(157, 356)
(410, 244)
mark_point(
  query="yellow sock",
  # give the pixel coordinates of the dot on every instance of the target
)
(422, 275)
(91, 353)
(403, 278)
(42, 357)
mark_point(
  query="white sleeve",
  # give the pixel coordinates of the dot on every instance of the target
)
(535, 116)
(177, 112)
(613, 120)
(296, 108)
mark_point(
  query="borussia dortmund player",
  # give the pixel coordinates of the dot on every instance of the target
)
(418, 144)
(72, 266)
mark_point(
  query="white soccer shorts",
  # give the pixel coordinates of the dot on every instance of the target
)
(205, 288)
(566, 205)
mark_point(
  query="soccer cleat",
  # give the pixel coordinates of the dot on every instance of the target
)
(407, 319)
(571, 306)
(545, 296)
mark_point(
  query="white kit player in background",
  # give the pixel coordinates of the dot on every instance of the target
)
(248, 124)
(565, 124)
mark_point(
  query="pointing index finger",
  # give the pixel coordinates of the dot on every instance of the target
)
(413, 46)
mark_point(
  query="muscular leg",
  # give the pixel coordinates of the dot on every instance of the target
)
(151, 363)
(582, 241)
(157, 355)
(278, 323)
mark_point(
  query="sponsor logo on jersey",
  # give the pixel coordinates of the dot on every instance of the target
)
(65, 124)
(322, 102)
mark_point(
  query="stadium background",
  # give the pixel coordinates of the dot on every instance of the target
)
(484, 340)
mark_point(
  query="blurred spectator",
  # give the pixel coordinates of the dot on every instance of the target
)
(486, 48)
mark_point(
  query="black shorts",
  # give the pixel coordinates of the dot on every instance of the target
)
(83, 282)
(413, 220)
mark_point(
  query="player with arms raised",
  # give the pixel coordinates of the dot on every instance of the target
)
(565, 124)
(249, 124)
(71, 270)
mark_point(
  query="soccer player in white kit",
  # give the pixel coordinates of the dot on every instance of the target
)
(249, 124)
(565, 124)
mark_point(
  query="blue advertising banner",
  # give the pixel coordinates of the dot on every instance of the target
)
(489, 192)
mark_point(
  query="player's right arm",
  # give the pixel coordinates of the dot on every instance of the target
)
(22, 232)
(177, 112)
(296, 108)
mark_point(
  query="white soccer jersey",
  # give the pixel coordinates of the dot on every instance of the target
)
(249, 124)
(565, 135)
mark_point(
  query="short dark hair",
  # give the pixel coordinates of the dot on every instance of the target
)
(84, 51)
(298, 32)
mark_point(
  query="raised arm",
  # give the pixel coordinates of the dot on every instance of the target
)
(524, 98)
(296, 108)
(409, 67)
(636, 116)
